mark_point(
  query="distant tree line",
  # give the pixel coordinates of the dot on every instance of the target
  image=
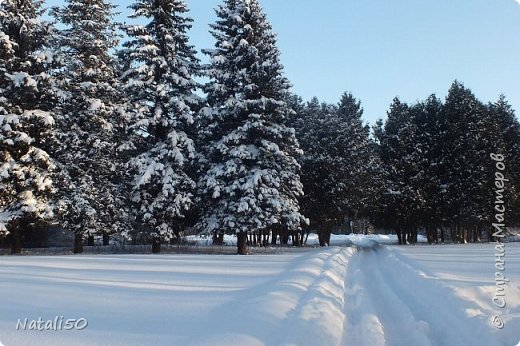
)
(426, 168)
(102, 139)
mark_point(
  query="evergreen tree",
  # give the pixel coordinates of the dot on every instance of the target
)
(26, 119)
(161, 92)
(324, 199)
(308, 120)
(509, 146)
(428, 145)
(438, 175)
(399, 156)
(353, 143)
(297, 120)
(252, 183)
(338, 164)
(90, 118)
(470, 136)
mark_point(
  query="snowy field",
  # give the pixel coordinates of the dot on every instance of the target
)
(366, 295)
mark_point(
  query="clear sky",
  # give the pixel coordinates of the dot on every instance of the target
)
(379, 49)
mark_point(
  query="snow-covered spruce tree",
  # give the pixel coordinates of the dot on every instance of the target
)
(300, 120)
(352, 143)
(89, 118)
(337, 165)
(509, 127)
(26, 119)
(470, 136)
(325, 198)
(428, 145)
(400, 160)
(161, 92)
(252, 182)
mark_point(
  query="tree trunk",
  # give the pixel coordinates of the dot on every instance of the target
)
(106, 238)
(156, 245)
(218, 238)
(321, 239)
(90, 240)
(16, 241)
(266, 239)
(414, 235)
(295, 238)
(408, 235)
(478, 233)
(242, 243)
(324, 237)
(306, 238)
(284, 238)
(274, 235)
(78, 242)
(350, 223)
(327, 237)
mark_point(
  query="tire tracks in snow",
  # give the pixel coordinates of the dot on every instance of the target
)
(364, 296)
(320, 307)
(388, 302)
(304, 306)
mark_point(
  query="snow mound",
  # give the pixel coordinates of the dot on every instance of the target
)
(304, 306)
(360, 240)
(365, 243)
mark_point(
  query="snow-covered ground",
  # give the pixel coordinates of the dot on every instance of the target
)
(358, 295)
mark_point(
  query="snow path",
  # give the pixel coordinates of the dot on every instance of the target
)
(303, 306)
(389, 302)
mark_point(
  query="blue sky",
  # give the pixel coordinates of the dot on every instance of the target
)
(379, 49)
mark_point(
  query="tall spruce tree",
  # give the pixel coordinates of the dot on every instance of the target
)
(400, 159)
(337, 164)
(26, 119)
(324, 197)
(457, 175)
(161, 91)
(353, 144)
(470, 136)
(509, 146)
(428, 146)
(89, 117)
(438, 175)
(252, 183)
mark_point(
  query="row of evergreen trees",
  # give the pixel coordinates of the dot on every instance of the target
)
(436, 159)
(427, 168)
(103, 143)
